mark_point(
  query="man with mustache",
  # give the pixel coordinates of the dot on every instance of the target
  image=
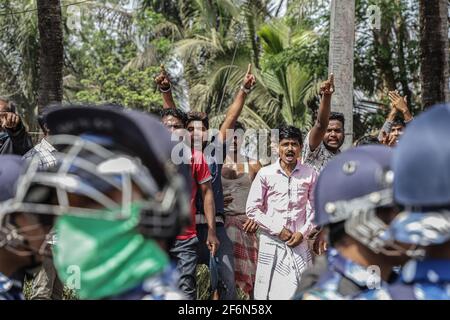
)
(327, 135)
(281, 203)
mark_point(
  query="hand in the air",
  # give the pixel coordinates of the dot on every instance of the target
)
(250, 79)
(162, 80)
(327, 87)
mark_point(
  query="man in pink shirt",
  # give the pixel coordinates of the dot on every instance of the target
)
(281, 202)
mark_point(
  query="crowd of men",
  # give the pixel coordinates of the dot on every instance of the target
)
(120, 204)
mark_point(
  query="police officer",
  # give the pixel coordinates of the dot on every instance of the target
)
(354, 204)
(23, 234)
(422, 186)
(121, 203)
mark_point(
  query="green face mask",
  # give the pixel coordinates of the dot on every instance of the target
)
(103, 258)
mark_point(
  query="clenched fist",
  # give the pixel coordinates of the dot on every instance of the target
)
(9, 120)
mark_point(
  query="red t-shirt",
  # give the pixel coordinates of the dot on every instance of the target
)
(200, 174)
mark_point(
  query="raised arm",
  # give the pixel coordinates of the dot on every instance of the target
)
(165, 87)
(400, 104)
(386, 129)
(234, 111)
(320, 127)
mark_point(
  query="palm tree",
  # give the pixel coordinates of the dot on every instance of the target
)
(434, 52)
(217, 49)
(288, 84)
(51, 60)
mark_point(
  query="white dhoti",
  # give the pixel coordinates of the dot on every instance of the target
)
(279, 268)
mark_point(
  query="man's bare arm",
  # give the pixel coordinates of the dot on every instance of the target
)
(165, 87)
(234, 111)
(320, 127)
(210, 214)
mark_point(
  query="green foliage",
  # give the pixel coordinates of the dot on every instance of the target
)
(19, 55)
(131, 88)
(114, 55)
(110, 66)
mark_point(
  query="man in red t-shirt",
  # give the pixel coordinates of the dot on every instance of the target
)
(184, 250)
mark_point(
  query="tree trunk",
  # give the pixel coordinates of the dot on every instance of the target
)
(434, 56)
(51, 57)
(383, 55)
(402, 37)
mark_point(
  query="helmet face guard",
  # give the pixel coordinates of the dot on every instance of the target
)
(362, 222)
(419, 230)
(16, 239)
(105, 183)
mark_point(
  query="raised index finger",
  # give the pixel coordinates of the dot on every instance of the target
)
(249, 69)
(331, 78)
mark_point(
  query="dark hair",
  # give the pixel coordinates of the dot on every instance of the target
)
(239, 125)
(290, 132)
(398, 122)
(337, 116)
(365, 140)
(176, 113)
(198, 116)
(336, 232)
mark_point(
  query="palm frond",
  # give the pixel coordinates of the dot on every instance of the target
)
(145, 59)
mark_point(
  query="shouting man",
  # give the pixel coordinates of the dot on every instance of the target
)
(327, 135)
(281, 202)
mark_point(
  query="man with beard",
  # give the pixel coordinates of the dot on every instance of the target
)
(354, 203)
(22, 234)
(281, 203)
(327, 135)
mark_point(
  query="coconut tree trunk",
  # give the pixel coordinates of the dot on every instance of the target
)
(51, 57)
(434, 73)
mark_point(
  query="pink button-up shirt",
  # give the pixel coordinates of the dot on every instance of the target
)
(277, 200)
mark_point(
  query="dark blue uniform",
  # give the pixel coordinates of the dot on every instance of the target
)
(10, 289)
(420, 280)
(344, 279)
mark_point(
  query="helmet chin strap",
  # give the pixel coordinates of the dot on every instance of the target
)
(393, 249)
(16, 243)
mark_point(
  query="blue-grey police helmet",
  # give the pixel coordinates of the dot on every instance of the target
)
(350, 189)
(421, 163)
